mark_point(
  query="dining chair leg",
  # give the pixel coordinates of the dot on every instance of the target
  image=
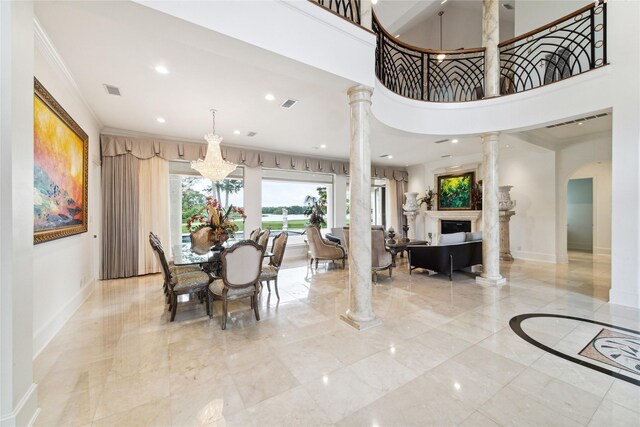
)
(205, 298)
(316, 264)
(269, 286)
(174, 306)
(390, 271)
(224, 313)
(276, 286)
(255, 305)
(209, 305)
(311, 262)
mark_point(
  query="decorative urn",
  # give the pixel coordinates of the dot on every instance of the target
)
(504, 202)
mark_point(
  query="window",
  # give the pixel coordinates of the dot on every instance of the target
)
(188, 194)
(283, 200)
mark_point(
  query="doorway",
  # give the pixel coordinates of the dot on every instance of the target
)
(580, 215)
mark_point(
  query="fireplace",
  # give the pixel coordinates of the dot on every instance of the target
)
(454, 226)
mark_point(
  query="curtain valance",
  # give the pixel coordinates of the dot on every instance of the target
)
(252, 159)
(146, 148)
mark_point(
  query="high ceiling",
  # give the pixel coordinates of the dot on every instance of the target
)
(121, 43)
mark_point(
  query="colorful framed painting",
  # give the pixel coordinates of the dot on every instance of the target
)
(60, 149)
(455, 191)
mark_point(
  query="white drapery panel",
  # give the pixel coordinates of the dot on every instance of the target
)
(153, 212)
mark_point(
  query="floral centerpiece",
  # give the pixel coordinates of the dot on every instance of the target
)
(213, 224)
(428, 198)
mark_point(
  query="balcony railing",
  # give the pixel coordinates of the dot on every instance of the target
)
(564, 48)
(348, 9)
(428, 75)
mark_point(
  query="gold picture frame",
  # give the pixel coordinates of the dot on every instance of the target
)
(61, 170)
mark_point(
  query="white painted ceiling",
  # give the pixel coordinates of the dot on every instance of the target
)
(120, 43)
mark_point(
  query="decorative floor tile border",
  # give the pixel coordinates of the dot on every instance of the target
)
(619, 350)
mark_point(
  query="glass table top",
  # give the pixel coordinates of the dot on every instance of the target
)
(185, 254)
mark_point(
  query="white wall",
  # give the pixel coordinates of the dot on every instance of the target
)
(531, 171)
(18, 393)
(530, 15)
(601, 173)
(461, 28)
(65, 270)
(575, 161)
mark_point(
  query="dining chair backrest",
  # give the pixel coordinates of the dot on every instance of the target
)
(241, 264)
(255, 234)
(157, 249)
(263, 240)
(278, 247)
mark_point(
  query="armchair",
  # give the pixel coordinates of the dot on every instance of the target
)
(381, 258)
(321, 249)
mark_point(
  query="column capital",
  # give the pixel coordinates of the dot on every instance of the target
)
(487, 135)
(360, 93)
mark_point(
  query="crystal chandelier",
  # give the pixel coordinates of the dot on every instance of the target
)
(213, 166)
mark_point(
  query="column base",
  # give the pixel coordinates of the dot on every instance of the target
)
(491, 281)
(361, 325)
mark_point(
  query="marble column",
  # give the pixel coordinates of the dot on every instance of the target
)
(366, 9)
(360, 314)
(490, 213)
(505, 245)
(490, 40)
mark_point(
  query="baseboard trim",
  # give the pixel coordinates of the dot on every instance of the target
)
(25, 412)
(46, 333)
(534, 256)
(602, 251)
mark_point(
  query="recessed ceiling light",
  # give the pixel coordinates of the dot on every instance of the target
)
(454, 141)
(160, 120)
(580, 123)
(507, 146)
(374, 1)
(443, 1)
(390, 157)
(397, 35)
(269, 97)
(162, 69)
(323, 145)
(237, 132)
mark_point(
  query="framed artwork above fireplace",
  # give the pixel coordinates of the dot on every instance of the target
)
(455, 191)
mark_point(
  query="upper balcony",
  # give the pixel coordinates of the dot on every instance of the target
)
(564, 48)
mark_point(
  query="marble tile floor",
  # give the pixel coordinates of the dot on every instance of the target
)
(444, 355)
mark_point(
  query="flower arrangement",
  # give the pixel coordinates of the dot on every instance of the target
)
(217, 217)
(428, 198)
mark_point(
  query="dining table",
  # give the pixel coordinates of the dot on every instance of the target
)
(208, 258)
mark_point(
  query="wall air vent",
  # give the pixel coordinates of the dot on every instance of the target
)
(580, 120)
(440, 141)
(252, 133)
(446, 156)
(112, 90)
(508, 6)
(289, 103)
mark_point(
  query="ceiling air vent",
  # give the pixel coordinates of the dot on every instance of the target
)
(252, 133)
(384, 156)
(582, 119)
(441, 141)
(289, 103)
(111, 90)
(508, 6)
(446, 156)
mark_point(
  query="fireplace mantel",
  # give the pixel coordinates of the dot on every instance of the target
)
(433, 218)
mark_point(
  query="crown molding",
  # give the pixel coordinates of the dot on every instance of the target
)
(50, 50)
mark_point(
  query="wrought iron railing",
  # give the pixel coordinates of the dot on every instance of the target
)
(428, 75)
(564, 48)
(349, 9)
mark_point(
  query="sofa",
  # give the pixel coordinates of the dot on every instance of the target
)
(454, 251)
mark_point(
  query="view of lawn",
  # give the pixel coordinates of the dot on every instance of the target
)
(294, 224)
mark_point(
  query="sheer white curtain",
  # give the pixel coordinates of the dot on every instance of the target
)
(153, 212)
